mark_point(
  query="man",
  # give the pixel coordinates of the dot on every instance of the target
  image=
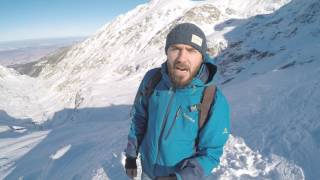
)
(165, 124)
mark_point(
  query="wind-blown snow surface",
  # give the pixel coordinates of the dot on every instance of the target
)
(75, 114)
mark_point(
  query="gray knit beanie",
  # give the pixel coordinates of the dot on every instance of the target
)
(187, 33)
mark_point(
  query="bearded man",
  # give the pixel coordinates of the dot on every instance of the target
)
(180, 120)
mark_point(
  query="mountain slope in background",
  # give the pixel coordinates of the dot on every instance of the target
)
(267, 55)
(128, 46)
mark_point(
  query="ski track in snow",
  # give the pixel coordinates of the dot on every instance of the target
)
(60, 152)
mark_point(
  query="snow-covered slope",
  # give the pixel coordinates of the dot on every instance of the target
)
(129, 45)
(267, 55)
(278, 113)
(20, 95)
(270, 71)
(290, 36)
(248, 8)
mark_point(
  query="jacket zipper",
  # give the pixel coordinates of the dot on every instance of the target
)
(174, 121)
(163, 124)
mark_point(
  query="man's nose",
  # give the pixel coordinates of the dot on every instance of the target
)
(182, 55)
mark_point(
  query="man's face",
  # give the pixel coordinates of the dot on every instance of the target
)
(183, 64)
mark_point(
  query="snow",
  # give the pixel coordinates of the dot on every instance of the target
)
(71, 121)
(19, 129)
(282, 109)
(13, 148)
(241, 162)
(100, 175)
(4, 129)
(60, 152)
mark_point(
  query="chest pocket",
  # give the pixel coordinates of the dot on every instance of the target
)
(185, 124)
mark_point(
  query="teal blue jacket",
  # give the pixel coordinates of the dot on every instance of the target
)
(164, 128)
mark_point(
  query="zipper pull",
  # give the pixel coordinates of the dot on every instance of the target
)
(171, 90)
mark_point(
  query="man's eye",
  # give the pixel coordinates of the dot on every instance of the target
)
(174, 49)
(192, 50)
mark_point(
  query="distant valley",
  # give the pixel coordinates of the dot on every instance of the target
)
(15, 53)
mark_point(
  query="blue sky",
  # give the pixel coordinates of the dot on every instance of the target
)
(33, 19)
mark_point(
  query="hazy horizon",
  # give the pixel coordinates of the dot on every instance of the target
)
(41, 39)
(44, 19)
(25, 51)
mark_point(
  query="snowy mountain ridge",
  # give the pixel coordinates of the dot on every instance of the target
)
(142, 43)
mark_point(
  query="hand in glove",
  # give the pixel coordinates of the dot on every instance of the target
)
(131, 167)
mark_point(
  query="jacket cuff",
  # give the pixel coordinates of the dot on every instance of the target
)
(131, 150)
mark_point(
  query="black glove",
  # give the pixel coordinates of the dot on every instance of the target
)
(171, 177)
(131, 167)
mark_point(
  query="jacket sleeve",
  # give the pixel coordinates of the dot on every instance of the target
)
(212, 138)
(138, 116)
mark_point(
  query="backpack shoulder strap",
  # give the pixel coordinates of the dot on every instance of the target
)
(152, 83)
(207, 101)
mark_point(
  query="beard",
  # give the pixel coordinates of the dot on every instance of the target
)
(179, 80)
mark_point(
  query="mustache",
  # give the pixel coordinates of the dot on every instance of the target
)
(181, 66)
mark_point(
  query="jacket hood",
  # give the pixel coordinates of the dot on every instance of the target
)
(204, 76)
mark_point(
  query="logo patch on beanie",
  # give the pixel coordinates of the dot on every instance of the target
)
(196, 39)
